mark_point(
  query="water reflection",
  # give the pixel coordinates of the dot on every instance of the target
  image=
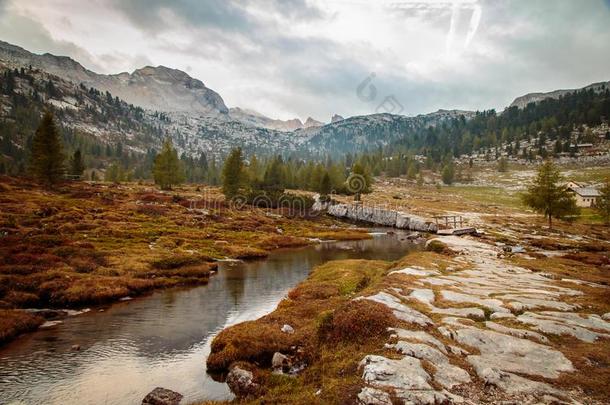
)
(163, 339)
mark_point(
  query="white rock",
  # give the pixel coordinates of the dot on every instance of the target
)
(287, 329)
(501, 315)
(404, 374)
(420, 351)
(400, 310)
(514, 384)
(493, 304)
(373, 396)
(509, 353)
(474, 313)
(520, 333)
(449, 376)
(422, 295)
(606, 316)
(413, 271)
(558, 326)
(279, 361)
(418, 336)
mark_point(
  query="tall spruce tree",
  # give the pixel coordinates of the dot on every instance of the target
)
(47, 158)
(167, 169)
(548, 196)
(77, 165)
(233, 174)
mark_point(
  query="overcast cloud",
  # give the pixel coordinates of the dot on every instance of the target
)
(288, 58)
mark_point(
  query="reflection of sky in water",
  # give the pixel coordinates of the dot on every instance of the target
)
(163, 339)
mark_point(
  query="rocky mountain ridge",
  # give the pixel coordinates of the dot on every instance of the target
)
(523, 101)
(155, 88)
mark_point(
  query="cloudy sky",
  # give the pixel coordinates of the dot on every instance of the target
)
(300, 58)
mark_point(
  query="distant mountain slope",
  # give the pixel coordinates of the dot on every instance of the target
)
(259, 120)
(523, 101)
(155, 88)
(368, 132)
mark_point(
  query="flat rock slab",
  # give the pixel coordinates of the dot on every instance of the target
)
(493, 304)
(416, 271)
(514, 384)
(405, 377)
(520, 333)
(512, 354)
(555, 325)
(400, 310)
(404, 374)
(420, 336)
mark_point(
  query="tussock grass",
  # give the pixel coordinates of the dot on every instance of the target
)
(13, 323)
(83, 244)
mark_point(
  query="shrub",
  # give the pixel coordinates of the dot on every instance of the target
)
(439, 247)
(151, 210)
(83, 265)
(177, 261)
(356, 321)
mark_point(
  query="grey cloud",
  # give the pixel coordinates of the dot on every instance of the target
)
(31, 35)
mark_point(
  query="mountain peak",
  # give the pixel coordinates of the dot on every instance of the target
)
(310, 122)
(336, 118)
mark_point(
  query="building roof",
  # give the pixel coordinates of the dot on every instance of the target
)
(586, 191)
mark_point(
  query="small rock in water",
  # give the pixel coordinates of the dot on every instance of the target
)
(162, 396)
(76, 347)
(287, 329)
(241, 382)
(128, 298)
(606, 316)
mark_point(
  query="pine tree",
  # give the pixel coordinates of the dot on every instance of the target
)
(114, 174)
(546, 195)
(602, 205)
(502, 165)
(359, 181)
(448, 173)
(47, 159)
(167, 169)
(77, 166)
(233, 174)
(325, 186)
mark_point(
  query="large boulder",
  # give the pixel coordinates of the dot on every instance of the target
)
(241, 382)
(162, 396)
(380, 216)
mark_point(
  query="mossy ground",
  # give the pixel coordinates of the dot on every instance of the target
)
(81, 244)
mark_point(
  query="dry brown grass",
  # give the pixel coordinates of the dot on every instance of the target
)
(13, 323)
(83, 244)
(325, 289)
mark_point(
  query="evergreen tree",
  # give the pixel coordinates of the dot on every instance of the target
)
(47, 159)
(546, 195)
(325, 186)
(602, 205)
(114, 173)
(359, 181)
(502, 165)
(448, 173)
(420, 179)
(77, 166)
(167, 169)
(233, 174)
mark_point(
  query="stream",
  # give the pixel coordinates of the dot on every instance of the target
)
(163, 339)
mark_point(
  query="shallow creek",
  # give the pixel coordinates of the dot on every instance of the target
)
(163, 339)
